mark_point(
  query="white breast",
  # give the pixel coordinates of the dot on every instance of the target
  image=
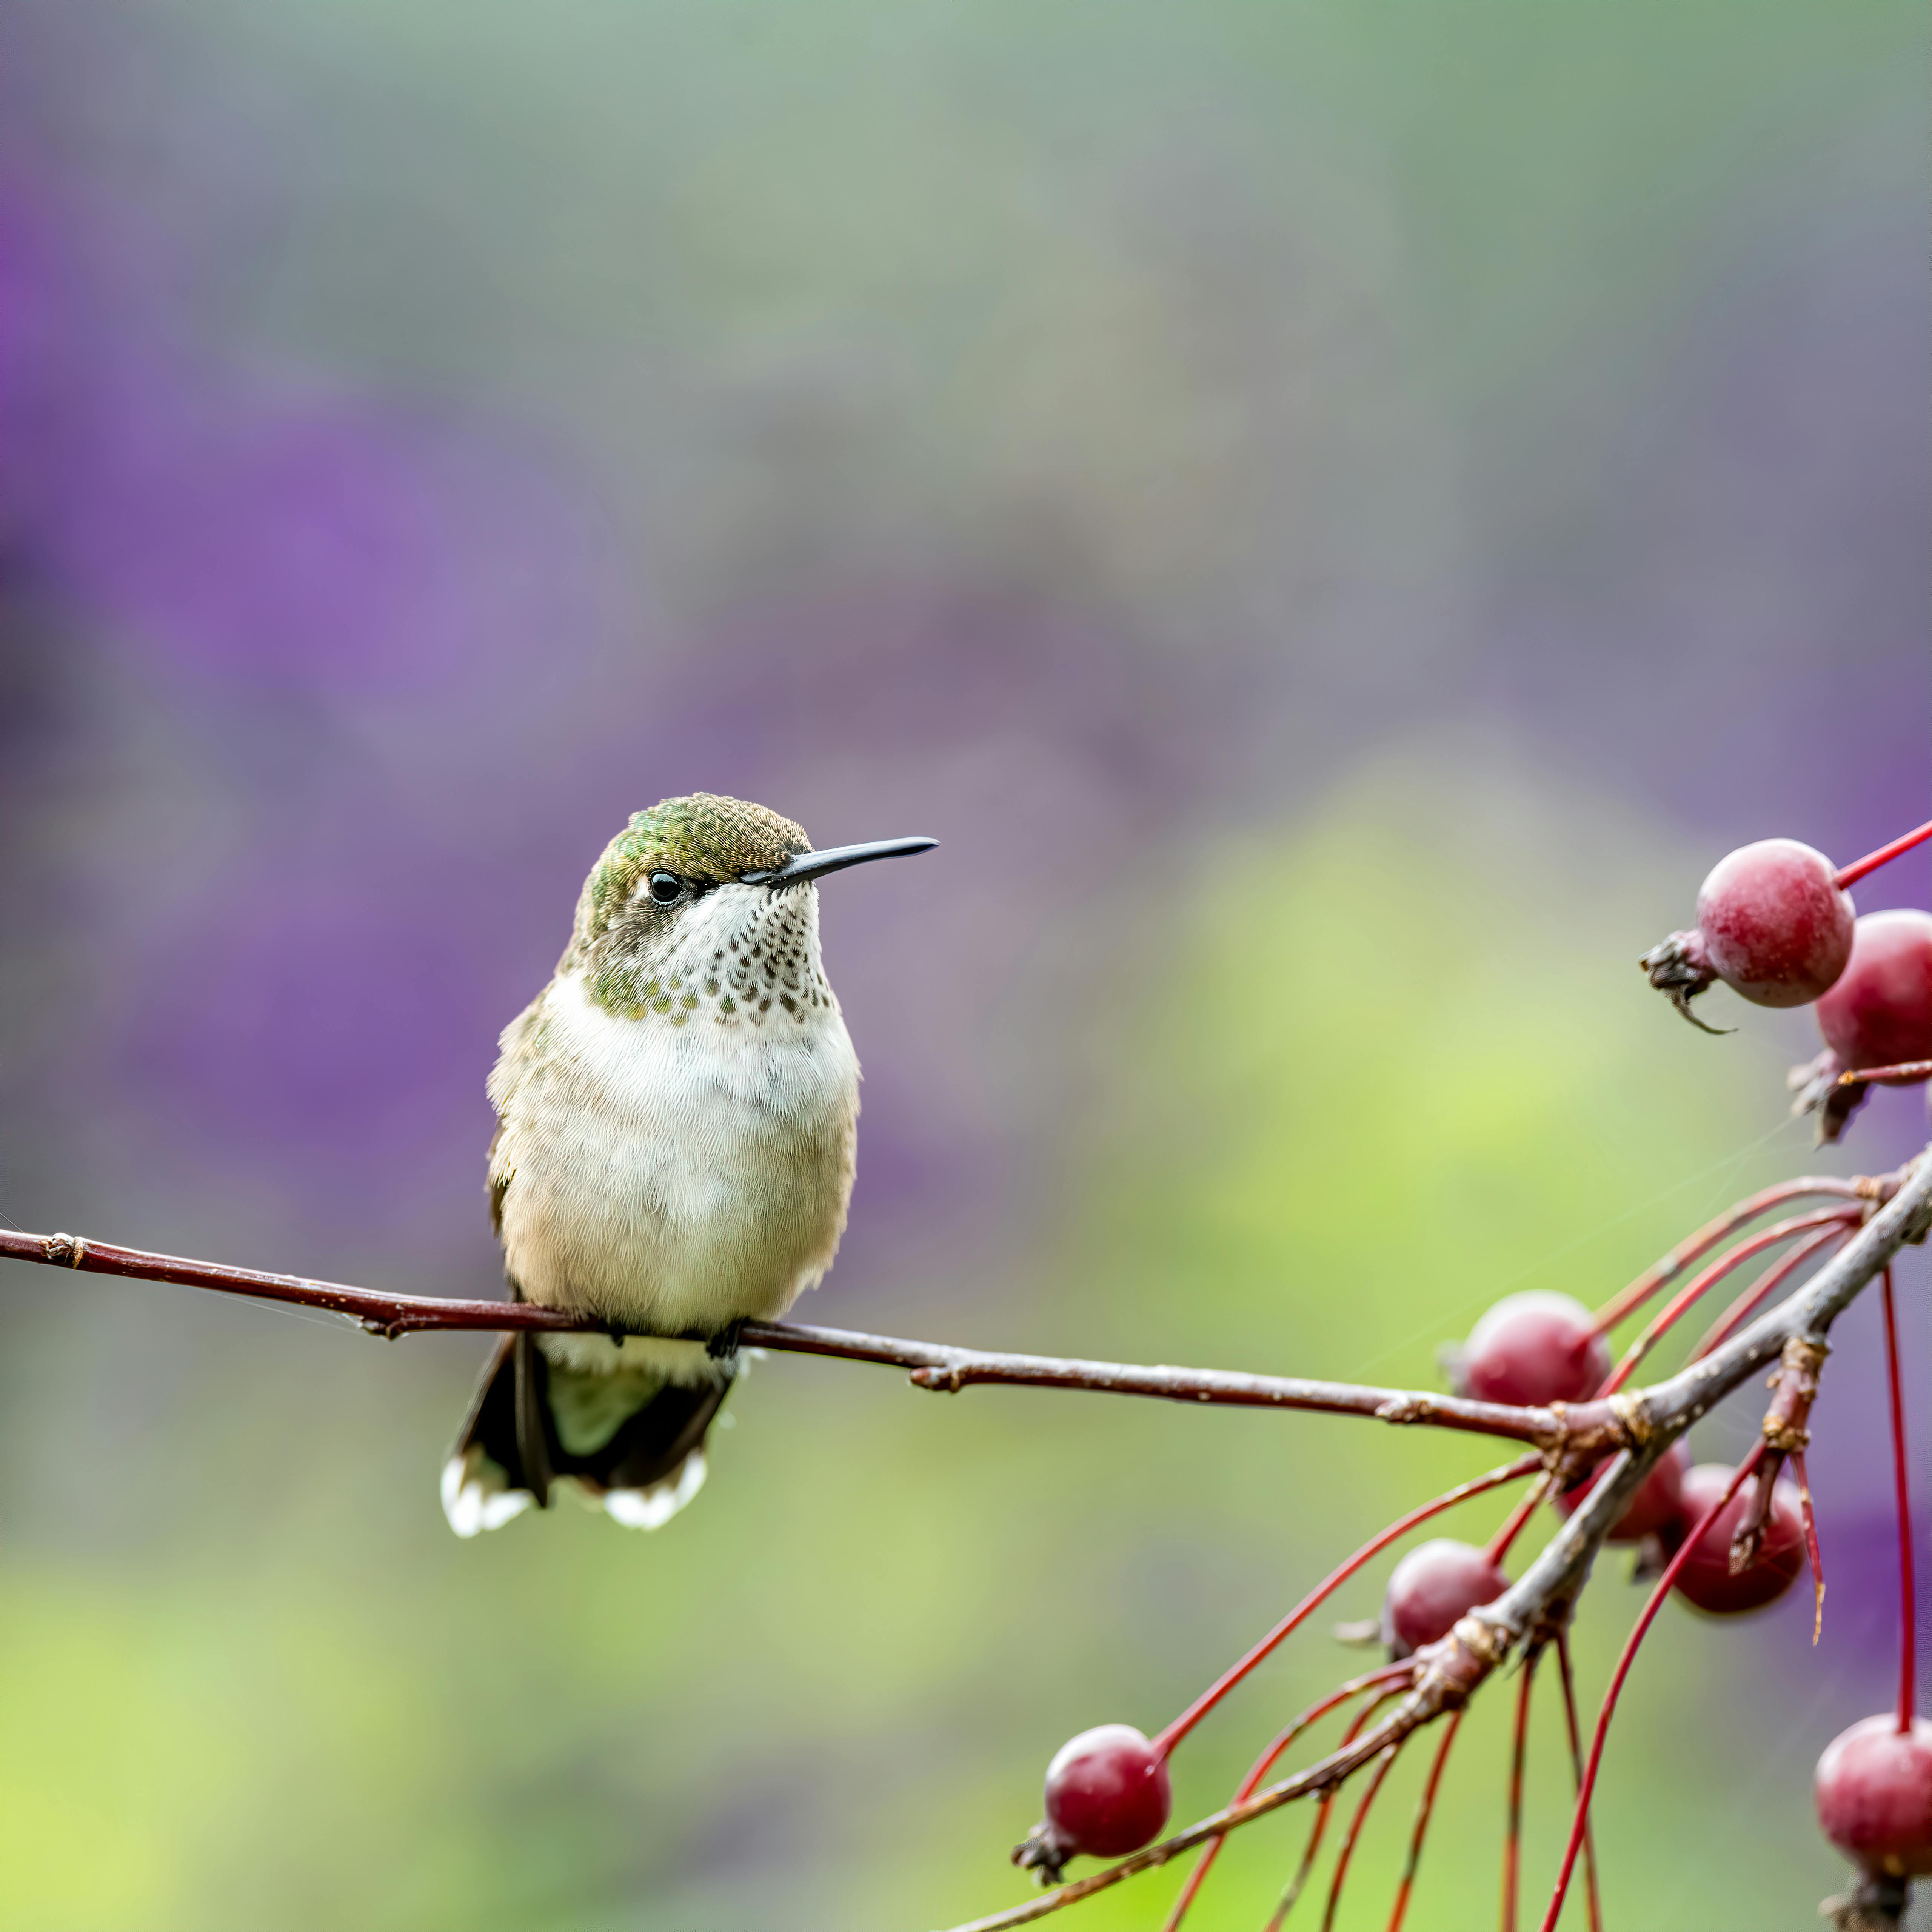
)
(676, 1177)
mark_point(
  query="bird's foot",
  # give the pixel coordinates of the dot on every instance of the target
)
(722, 1346)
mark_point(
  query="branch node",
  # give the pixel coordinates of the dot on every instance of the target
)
(1487, 1643)
(947, 1380)
(1406, 1408)
(65, 1250)
(1804, 1354)
(1629, 1410)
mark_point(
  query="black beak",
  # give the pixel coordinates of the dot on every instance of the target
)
(816, 864)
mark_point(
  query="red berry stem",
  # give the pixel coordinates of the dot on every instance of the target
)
(1257, 1772)
(1425, 1806)
(1580, 1823)
(1906, 1619)
(1383, 1765)
(1510, 1472)
(1731, 1259)
(1906, 1070)
(1629, 1299)
(1296, 1885)
(1849, 875)
(1511, 1527)
(1766, 1284)
(1810, 1546)
(1592, 1902)
(1513, 1825)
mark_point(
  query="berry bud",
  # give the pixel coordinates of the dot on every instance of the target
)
(1435, 1585)
(1771, 924)
(1706, 1581)
(1532, 1349)
(1656, 1510)
(1107, 1793)
(1879, 1013)
(1874, 1788)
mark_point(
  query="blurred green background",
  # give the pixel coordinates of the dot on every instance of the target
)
(1335, 515)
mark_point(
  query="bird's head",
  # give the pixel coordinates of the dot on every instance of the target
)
(707, 904)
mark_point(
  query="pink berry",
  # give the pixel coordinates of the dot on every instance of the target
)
(1705, 1581)
(1434, 1585)
(1771, 924)
(1656, 1509)
(1107, 1793)
(1879, 1012)
(1532, 1349)
(1874, 1788)
(1777, 929)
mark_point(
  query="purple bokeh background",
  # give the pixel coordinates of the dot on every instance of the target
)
(333, 642)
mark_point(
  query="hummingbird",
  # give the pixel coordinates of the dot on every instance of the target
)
(677, 1128)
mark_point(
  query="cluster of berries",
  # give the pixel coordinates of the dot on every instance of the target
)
(1108, 1791)
(1775, 923)
(1540, 1348)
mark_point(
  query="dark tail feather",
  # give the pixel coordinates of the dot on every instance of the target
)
(508, 1453)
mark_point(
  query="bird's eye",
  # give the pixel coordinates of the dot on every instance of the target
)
(666, 887)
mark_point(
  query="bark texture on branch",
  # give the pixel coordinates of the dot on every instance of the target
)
(935, 1366)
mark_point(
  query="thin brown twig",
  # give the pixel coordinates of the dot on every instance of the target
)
(933, 1366)
(1638, 1427)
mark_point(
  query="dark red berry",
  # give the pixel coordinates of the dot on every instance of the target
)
(1433, 1586)
(1532, 1349)
(1874, 1788)
(1771, 924)
(1658, 1507)
(1107, 1793)
(1879, 1013)
(1705, 1581)
(1777, 928)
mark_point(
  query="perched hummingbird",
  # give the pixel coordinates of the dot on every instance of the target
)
(677, 1123)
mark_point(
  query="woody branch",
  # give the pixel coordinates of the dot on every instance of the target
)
(1635, 1427)
(933, 1366)
(1538, 1604)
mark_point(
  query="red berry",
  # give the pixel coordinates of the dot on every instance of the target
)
(1879, 1013)
(1874, 1787)
(1107, 1793)
(1657, 1506)
(1435, 1584)
(1532, 1348)
(1775, 927)
(1705, 1580)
